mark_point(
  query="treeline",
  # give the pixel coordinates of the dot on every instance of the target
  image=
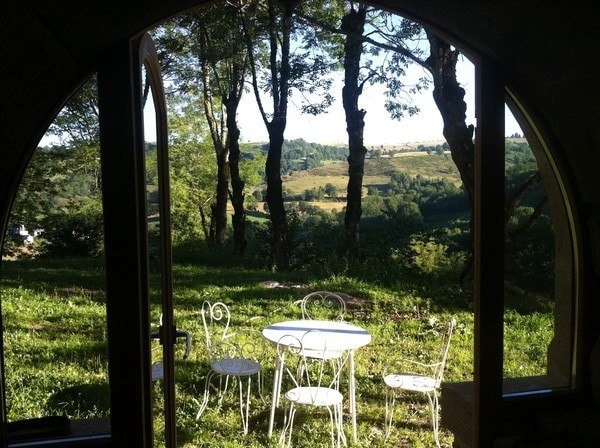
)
(410, 223)
(298, 154)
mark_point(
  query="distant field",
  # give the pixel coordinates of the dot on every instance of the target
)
(377, 171)
(329, 205)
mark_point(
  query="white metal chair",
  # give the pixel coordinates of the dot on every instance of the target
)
(231, 354)
(316, 382)
(418, 377)
(323, 305)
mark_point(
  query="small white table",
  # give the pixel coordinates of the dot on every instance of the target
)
(339, 335)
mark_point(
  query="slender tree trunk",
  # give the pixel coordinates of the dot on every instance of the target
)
(275, 195)
(279, 32)
(212, 230)
(219, 208)
(204, 224)
(220, 212)
(237, 184)
(353, 25)
(280, 79)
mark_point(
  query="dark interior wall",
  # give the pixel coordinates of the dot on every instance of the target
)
(549, 52)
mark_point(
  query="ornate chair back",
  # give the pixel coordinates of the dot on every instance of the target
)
(323, 305)
(443, 350)
(215, 320)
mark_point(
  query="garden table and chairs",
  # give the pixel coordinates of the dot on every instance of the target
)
(338, 337)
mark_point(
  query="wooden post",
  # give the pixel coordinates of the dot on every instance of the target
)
(123, 181)
(489, 254)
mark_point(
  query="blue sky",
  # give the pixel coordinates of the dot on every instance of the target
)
(380, 129)
(330, 128)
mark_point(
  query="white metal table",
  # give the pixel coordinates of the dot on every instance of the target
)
(339, 336)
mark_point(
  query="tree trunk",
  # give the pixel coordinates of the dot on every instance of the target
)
(220, 212)
(449, 99)
(275, 195)
(237, 184)
(279, 32)
(280, 79)
(219, 208)
(353, 25)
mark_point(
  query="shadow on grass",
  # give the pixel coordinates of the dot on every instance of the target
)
(65, 277)
(80, 401)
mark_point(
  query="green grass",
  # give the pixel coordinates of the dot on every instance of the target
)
(55, 346)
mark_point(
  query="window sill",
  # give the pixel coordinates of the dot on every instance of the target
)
(527, 414)
(81, 433)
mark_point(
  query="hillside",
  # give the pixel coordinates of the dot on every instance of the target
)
(377, 171)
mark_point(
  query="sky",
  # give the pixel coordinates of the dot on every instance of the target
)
(380, 129)
(330, 127)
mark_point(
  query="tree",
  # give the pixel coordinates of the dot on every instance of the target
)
(61, 188)
(331, 190)
(192, 168)
(208, 48)
(270, 25)
(228, 68)
(359, 26)
(353, 24)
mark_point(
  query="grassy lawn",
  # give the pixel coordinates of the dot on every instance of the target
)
(55, 345)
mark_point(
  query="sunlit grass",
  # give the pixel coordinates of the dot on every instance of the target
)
(55, 347)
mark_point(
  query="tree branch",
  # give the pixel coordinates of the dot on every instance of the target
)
(519, 231)
(517, 197)
(365, 39)
(252, 62)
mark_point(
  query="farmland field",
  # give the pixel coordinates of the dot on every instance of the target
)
(377, 171)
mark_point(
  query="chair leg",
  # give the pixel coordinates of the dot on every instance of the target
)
(288, 423)
(223, 389)
(245, 413)
(341, 424)
(204, 403)
(261, 385)
(334, 427)
(390, 401)
(434, 410)
(291, 423)
(286, 419)
(337, 419)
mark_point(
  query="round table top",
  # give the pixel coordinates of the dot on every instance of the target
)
(339, 335)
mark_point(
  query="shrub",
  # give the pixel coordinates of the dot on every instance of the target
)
(427, 255)
(74, 230)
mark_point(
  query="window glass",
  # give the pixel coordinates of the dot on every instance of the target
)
(537, 282)
(53, 283)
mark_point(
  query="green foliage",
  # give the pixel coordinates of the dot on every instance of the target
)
(192, 167)
(530, 257)
(430, 255)
(74, 230)
(77, 123)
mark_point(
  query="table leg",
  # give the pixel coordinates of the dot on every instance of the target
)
(352, 394)
(276, 392)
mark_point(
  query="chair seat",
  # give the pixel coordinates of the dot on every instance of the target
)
(416, 383)
(322, 354)
(314, 396)
(236, 366)
(157, 371)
